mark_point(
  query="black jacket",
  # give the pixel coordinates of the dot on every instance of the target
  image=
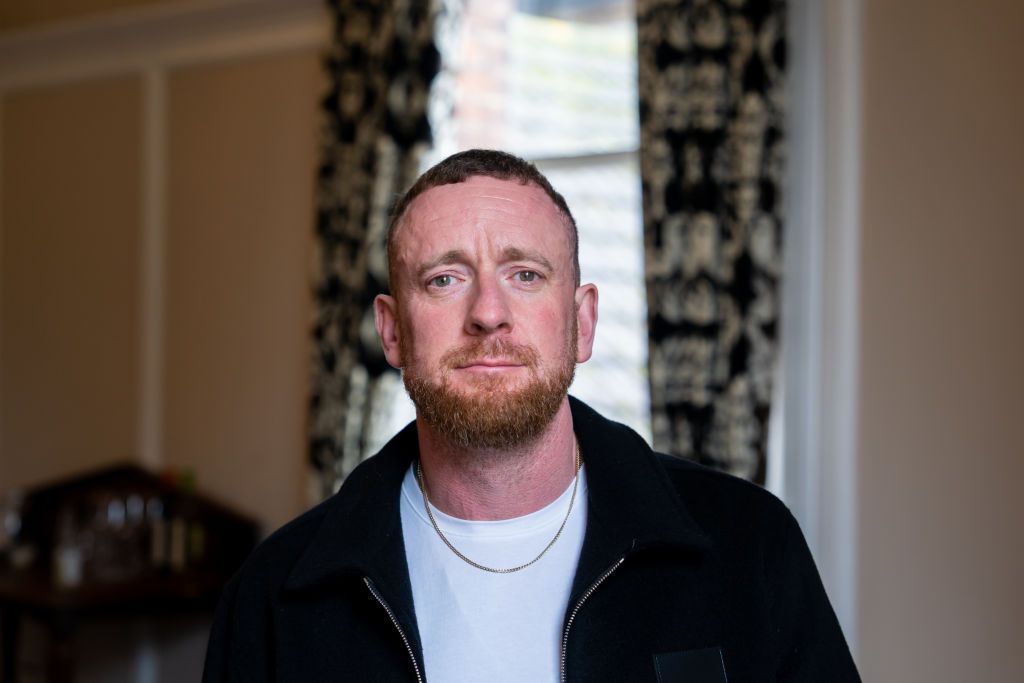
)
(685, 574)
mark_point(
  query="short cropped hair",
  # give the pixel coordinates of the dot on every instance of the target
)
(489, 163)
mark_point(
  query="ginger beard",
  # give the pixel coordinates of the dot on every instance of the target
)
(491, 412)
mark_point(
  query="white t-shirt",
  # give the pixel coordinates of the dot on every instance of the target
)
(479, 626)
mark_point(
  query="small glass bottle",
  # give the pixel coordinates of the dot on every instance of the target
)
(68, 555)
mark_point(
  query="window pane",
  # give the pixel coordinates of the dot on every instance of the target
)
(539, 80)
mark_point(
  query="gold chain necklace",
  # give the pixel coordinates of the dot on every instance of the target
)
(508, 570)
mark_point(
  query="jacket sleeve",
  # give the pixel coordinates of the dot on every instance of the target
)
(809, 643)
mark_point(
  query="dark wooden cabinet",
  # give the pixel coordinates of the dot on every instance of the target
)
(119, 541)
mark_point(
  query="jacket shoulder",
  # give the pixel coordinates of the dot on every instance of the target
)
(240, 644)
(237, 648)
(724, 503)
(274, 557)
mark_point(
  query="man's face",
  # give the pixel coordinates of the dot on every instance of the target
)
(486, 323)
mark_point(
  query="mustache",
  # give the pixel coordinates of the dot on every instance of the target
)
(522, 354)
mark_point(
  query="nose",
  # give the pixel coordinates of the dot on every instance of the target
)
(488, 309)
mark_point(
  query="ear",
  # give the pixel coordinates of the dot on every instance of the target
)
(586, 321)
(385, 317)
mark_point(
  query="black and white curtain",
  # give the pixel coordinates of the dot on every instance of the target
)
(711, 112)
(380, 65)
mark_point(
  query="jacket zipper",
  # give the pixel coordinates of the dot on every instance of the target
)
(576, 609)
(394, 620)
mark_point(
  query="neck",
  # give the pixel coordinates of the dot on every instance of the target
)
(486, 484)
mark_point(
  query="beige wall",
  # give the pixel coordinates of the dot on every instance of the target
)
(237, 252)
(942, 363)
(69, 279)
(78, 159)
(242, 142)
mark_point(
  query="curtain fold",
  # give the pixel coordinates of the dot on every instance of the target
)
(380, 65)
(711, 77)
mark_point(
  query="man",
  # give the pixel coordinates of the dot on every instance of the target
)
(511, 533)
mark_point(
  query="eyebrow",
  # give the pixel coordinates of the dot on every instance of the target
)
(445, 259)
(516, 254)
(507, 254)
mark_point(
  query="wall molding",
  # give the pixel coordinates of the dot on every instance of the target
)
(130, 41)
(2, 406)
(820, 317)
(152, 244)
(838, 496)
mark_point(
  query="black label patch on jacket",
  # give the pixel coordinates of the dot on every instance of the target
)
(691, 666)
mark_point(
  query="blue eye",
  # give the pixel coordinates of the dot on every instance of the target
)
(441, 280)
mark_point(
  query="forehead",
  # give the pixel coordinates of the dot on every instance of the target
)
(500, 212)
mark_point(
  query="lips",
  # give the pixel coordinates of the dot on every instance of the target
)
(490, 363)
(491, 355)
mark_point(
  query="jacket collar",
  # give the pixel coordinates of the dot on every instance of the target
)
(361, 531)
(632, 505)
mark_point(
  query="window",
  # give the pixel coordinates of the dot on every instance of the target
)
(554, 81)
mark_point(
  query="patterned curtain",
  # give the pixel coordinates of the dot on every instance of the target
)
(380, 66)
(711, 111)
